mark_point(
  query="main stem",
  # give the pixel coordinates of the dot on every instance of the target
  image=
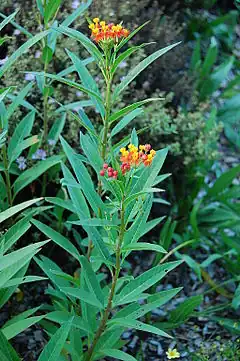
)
(107, 115)
(7, 176)
(104, 143)
(108, 309)
(45, 107)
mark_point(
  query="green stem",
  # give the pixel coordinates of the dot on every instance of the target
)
(108, 308)
(107, 115)
(45, 107)
(7, 176)
(105, 135)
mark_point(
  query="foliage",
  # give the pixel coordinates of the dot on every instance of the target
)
(218, 351)
(13, 270)
(101, 189)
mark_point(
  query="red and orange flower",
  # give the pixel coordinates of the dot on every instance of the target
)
(132, 156)
(105, 32)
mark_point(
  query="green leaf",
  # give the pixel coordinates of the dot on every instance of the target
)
(210, 58)
(192, 264)
(95, 222)
(120, 113)
(13, 234)
(58, 238)
(126, 120)
(13, 257)
(143, 246)
(224, 181)
(70, 83)
(79, 11)
(16, 328)
(50, 268)
(83, 213)
(7, 350)
(64, 203)
(149, 174)
(137, 325)
(52, 350)
(17, 26)
(22, 316)
(133, 33)
(143, 282)
(27, 279)
(57, 128)
(182, 312)
(51, 9)
(22, 131)
(230, 324)
(215, 79)
(8, 19)
(83, 178)
(236, 298)
(62, 317)
(125, 55)
(84, 40)
(17, 101)
(91, 280)
(135, 310)
(139, 68)
(36, 171)
(117, 354)
(196, 56)
(21, 50)
(47, 54)
(13, 210)
(83, 295)
(40, 7)
(87, 81)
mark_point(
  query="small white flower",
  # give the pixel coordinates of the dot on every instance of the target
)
(79, 93)
(75, 4)
(29, 77)
(123, 65)
(37, 54)
(17, 32)
(2, 61)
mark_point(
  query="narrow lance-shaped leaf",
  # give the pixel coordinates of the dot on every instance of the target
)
(126, 120)
(137, 325)
(144, 281)
(58, 238)
(7, 350)
(52, 350)
(13, 330)
(87, 81)
(17, 101)
(91, 280)
(22, 130)
(20, 51)
(139, 68)
(8, 19)
(13, 210)
(72, 84)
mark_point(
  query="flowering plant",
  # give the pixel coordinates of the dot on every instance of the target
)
(109, 216)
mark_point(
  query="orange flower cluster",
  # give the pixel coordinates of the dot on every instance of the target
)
(105, 32)
(133, 156)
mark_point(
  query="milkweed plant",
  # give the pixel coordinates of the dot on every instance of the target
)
(109, 190)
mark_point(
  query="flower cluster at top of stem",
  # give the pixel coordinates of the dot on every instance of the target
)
(133, 156)
(102, 32)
